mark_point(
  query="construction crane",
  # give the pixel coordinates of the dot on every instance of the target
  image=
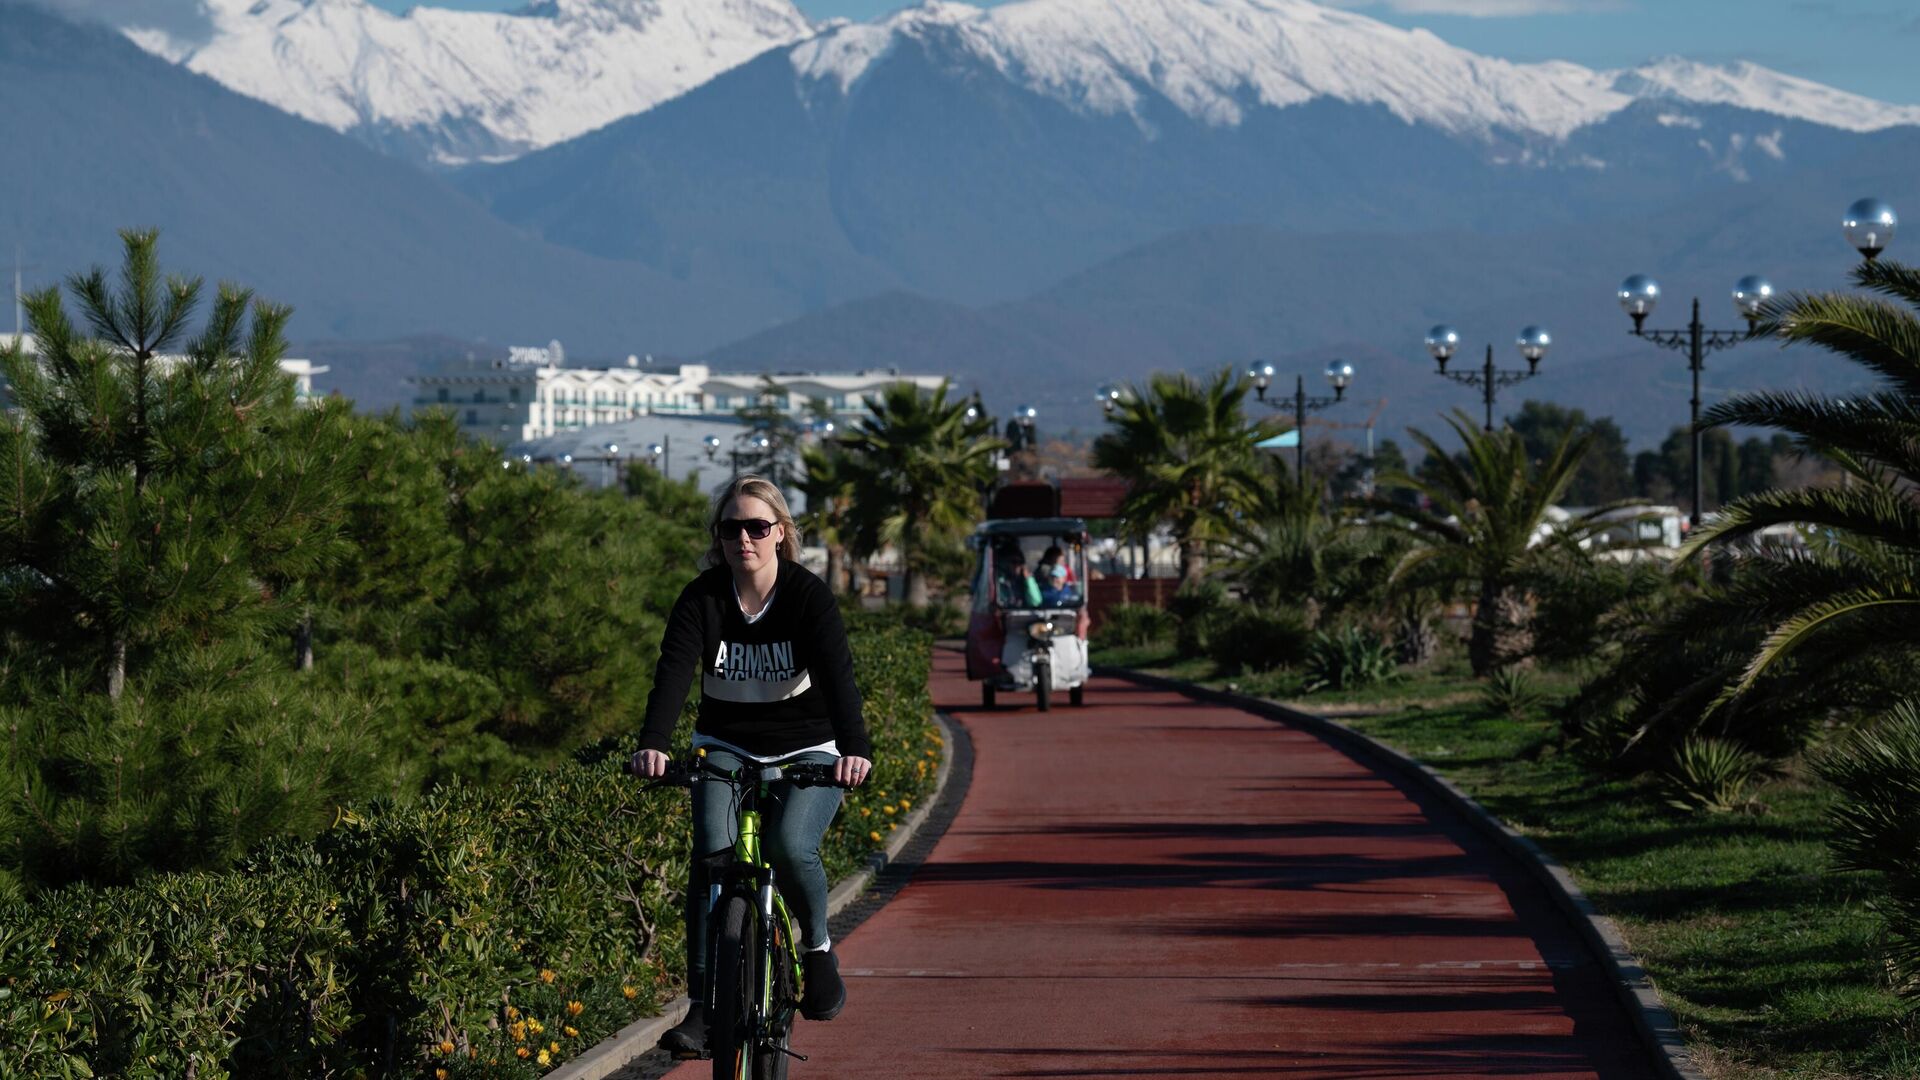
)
(1379, 406)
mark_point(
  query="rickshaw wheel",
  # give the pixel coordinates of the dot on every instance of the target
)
(1043, 685)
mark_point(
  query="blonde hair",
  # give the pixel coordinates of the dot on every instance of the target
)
(751, 487)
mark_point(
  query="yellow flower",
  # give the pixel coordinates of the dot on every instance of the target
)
(439, 1074)
(546, 976)
(628, 992)
(555, 1047)
(543, 1058)
(865, 812)
(882, 794)
(513, 1013)
(535, 1026)
(574, 1008)
(572, 1032)
(518, 1029)
(523, 1053)
(933, 753)
(893, 826)
(873, 836)
(888, 810)
(905, 804)
(446, 1046)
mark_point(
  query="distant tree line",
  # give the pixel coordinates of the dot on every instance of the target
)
(1610, 472)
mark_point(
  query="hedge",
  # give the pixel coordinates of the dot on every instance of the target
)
(476, 932)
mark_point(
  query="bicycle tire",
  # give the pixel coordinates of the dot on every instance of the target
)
(1043, 685)
(772, 1062)
(731, 1025)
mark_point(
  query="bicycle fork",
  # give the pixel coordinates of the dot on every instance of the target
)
(749, 870)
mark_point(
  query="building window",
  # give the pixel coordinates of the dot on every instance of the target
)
(444, 395)
(473, 416)
(513, 393)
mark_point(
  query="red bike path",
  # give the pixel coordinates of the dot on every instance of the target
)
(1154, 886)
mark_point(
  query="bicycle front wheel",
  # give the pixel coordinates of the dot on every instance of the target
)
(771, 1064)
(734, 993)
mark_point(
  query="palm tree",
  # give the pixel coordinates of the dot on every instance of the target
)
(1858, 594)
(1483, 525)
(829, 490)
(1185, 448)
(913, 472)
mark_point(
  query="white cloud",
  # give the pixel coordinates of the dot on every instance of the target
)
(1484, 9)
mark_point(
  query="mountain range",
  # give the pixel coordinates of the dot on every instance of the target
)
(1035, 197)
(443, 87)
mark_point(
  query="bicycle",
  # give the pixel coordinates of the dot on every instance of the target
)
(753, 977)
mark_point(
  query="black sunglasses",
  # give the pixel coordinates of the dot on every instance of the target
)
(731, 528)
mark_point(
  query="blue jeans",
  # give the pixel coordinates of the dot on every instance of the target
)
(792, 822)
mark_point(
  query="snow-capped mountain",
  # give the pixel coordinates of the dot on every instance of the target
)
(450, 86)
(1216, 59)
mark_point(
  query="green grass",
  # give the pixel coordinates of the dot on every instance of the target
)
(1765, 955)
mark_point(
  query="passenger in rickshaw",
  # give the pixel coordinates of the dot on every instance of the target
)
(1017, 585)
(1055, 589)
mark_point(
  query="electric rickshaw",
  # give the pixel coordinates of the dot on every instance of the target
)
(1028, 627)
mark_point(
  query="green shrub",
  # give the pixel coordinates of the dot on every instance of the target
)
(405, 927)
(1346, 659)
(1712, 775)
(1253, 639)
(1197, 599)
(1584, 606)
(1134, 624)
(1877, 825)
(1202, 615)
(1512, 692)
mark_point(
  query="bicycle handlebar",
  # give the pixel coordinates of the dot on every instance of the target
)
(681, 773)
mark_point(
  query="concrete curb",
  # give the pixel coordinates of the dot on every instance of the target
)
(1651, 1020)
(613, 1053)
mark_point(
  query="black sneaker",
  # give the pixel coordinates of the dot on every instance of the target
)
(688, 1038)
(824, 995)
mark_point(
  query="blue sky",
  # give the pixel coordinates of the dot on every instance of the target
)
(1866, 46)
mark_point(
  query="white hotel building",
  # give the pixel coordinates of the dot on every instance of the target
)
(530, 395)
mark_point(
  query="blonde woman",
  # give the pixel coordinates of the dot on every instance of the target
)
(776, 686)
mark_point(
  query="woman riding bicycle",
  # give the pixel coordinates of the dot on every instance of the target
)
(776, 686)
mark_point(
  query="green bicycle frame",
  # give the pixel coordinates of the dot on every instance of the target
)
(772, 907)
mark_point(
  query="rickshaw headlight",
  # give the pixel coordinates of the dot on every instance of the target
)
(1041, 630)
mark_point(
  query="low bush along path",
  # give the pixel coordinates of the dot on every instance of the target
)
(1154, 886)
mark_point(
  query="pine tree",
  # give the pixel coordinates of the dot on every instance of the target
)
(155, 501)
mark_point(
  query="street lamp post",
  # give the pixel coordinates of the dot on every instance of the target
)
(1020, 428)
(612, 459)
(1443, 341)
(1339, 376)
(1638, 295)
(1869, 225)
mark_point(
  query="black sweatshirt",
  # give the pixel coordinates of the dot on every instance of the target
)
(770, 687)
